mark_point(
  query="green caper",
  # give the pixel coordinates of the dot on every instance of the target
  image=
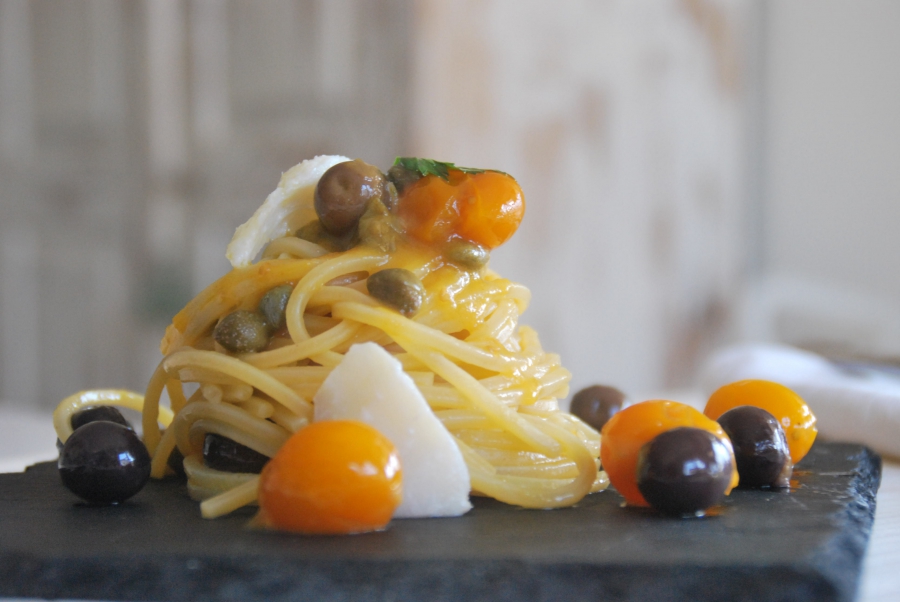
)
(273, 304)
(402, 177)
(469, 255)
(397, 288)
(315, 232)
(378, 227)
(242, 331)
(344, 192)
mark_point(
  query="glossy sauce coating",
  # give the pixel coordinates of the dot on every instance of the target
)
(461, 297)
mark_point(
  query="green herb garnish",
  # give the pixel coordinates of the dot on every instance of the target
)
(430, 167)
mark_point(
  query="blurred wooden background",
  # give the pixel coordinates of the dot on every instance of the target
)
(137, 135)
(679, 158)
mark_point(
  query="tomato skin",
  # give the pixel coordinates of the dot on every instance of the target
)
(787, 407)
(628, 430)
(331, 477)
(484, 208)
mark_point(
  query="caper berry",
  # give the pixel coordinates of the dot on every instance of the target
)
(242, 331)
(344, 192)
(760, 447)
(402, 177)
(469, 255)
(397, 288)
(597, 404)
(684, 471)
(273, 304)
(222, 453)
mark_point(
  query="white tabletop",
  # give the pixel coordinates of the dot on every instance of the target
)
(881, 568)
(27, 437)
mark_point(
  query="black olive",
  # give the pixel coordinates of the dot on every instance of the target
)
(760, 447)
(176, 463)
(343, 193)
(222, 453)
(469, 255)
(596, 404)
(397, 288)
(104, 463)
(684, 471)
(273, 304)
(94, 413)
(242, 331)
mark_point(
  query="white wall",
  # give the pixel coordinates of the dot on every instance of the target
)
(831, 177)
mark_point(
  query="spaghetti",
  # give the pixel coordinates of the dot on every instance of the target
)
(485, 377)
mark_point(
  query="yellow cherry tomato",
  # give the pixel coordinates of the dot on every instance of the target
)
(630, 429)
(484, 208)
(787, 407)
(335, 476)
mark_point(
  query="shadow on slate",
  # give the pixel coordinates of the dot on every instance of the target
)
(805, 544)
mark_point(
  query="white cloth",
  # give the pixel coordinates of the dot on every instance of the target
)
(852, 402)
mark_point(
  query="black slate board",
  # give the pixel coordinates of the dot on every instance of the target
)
(805, 544)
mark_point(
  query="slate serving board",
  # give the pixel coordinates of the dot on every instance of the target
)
(802, 544)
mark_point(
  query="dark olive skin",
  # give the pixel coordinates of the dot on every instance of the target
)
(397, 288)
(104, 463)
(468, 255)
(596, 404)
(242, 331)
(760, 447)
(176, 463)
(343, 193)
(684, 471)
(222, 453)
(95, 413)
(273, 304)
(402, 177)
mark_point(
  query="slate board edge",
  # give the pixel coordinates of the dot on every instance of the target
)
(841, 560)
(220, 580)
(832, 574)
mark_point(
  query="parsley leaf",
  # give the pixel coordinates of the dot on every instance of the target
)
(430, 167)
